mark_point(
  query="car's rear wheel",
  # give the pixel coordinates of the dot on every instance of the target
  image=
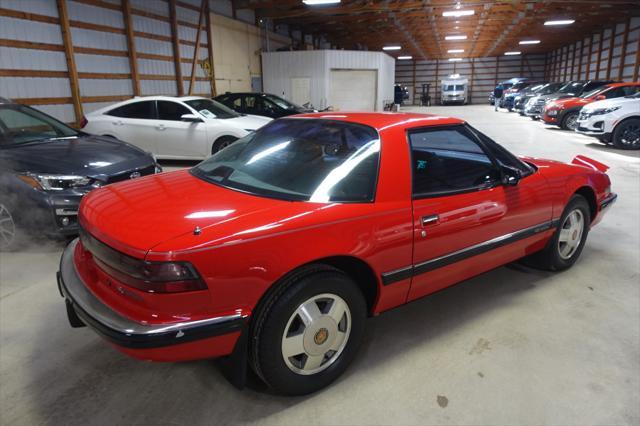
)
(566, 244)
(570, 121)
(222, 143)
(308, 330)
(627, 134)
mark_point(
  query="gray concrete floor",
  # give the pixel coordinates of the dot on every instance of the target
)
(510, 347)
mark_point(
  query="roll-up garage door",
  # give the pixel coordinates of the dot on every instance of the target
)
(353, 90)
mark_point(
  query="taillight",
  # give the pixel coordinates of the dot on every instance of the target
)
(151, 277)
(83, 122)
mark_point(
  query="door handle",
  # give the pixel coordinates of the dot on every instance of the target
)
(117, 123)
(160, 127)
(430, 220)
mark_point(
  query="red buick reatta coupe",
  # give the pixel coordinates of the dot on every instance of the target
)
(274, 251)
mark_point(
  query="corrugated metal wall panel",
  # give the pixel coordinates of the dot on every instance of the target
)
(158, 87)
(199, 88)
(223, 7)
(98, 39)
(160, 7)
(96, 15)
(13, 58)
(104, 87)
(561, 64)
(93, 106)
(149, 25)
(42, 7)
(105, 64)
(189, 34)
(19, 29)
(186, 51)
(150, 66)
(188, 15)
(63, 113)
(31, 87)
(157, 47)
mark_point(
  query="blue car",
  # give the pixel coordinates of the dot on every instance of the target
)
(505, 85)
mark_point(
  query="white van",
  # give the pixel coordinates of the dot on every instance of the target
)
(454, 90)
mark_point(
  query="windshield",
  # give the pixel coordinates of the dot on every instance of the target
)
(534, 89)
(593, 92)
(549, 88)
(206, 107)
(283, 103)
(572, 87)
(21, 124)
(300, 159)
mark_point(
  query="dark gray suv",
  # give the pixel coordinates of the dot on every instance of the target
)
(46, 167)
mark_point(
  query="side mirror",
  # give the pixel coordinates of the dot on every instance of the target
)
(510, 176)
(601, 98)
(191, 118)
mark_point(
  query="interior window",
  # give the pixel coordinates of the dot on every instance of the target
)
(448, 160)
(630, 90)
(236, 103)
(144, 109)
(171, 111)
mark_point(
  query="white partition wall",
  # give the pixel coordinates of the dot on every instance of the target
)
(343, 79)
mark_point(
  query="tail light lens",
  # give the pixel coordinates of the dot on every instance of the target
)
(83, 122)
(150, 277)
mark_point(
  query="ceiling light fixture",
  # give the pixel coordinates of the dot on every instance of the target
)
(402, 58)
(391, 48)
(455, 50)
(512, 53)
(319, 2)
(456, 37)
(561, 22)
(458, 13)
(530, 42)
(455, 59)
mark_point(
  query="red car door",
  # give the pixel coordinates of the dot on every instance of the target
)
(467, 219)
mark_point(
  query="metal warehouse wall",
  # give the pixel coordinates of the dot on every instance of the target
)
(279, 67)
(613, 53)
(483, 74)
(67, 57)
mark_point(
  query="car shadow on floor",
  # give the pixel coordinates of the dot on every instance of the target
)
(611, 148)
(98, 381)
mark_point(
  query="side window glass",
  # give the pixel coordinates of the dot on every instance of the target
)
(236, 103)
(171, 111)
(144, 110)
(630, 90)
(448, 160)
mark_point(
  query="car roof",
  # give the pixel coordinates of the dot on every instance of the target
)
(383, 120)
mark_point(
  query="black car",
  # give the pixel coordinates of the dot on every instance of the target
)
(46, 167)
(264, 104)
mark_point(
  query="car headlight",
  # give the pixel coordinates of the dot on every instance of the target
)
(602, 111)
(57, 182)
(552, 112)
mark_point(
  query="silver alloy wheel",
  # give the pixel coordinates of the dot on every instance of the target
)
(224, 144)
(572, 121)
(7, 227)
(571, 234)
(631, 135)
(316, 334)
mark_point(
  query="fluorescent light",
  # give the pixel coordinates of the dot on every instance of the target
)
(561, 22)
(317, 2)
(405, 57)
(455, 59)
(456, 37)
(530, 42)
(512, 53)
(458, 13)
(391, 48)
(455, 51)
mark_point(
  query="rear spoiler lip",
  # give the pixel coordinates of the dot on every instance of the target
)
(581, 160)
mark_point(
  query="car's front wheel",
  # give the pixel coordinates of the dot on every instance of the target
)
(308, 330)
(11, 236)
(222, 143)
(627, 134)
(570, 121)
(565, 246)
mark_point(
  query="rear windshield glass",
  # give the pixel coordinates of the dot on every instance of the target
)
(300, 159)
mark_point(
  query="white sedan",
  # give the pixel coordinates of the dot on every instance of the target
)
(189, 127)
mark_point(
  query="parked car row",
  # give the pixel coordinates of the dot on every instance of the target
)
(612, 116)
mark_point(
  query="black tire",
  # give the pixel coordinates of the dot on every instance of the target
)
(222, 143)
(275, 315)
(627, 134)
(550, 258)
(570, 121)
